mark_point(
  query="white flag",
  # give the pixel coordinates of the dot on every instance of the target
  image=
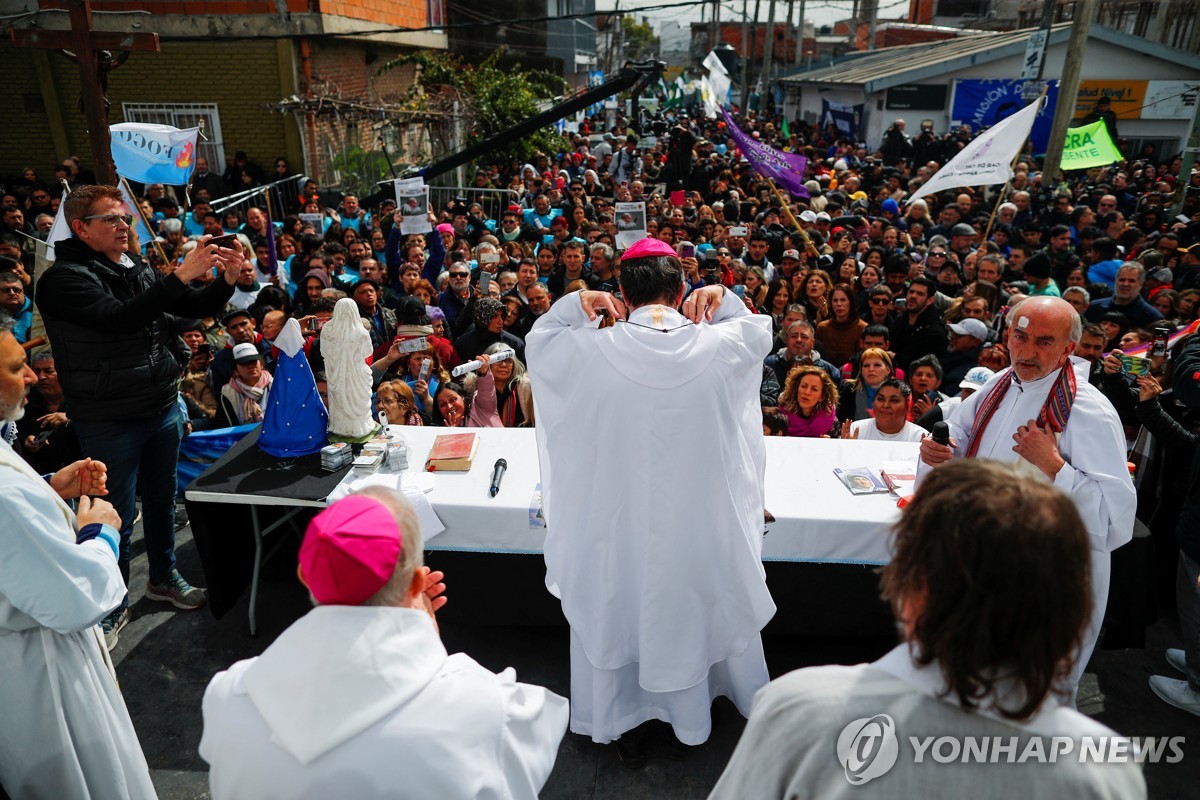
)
(987, 159)
(714, 89)
(60, 230)
(713, 64)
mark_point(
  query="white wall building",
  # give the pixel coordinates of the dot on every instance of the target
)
(1149, 82)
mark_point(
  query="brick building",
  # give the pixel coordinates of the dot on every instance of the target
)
(227, 63)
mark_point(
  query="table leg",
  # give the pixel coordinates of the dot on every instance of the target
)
(258, 548)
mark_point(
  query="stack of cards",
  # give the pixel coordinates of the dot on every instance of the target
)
(397, 456)
(368, 463)
(335, 456)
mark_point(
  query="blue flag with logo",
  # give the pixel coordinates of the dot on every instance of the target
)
(154, 153)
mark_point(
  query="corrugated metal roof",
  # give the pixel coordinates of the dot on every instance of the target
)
(893, 66)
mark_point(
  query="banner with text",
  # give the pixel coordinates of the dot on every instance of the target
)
(149, 153)
(1089, 146)
(983, 103)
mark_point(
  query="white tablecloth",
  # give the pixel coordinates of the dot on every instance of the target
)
(817, 519)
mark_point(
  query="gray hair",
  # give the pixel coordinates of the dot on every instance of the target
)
(1087, 298)
(1010, 207)
(1075, 334)
(7, 323)
(802, 323)
(41, 354)
(1133, 265)
(796, 308)
(518, 367)
(604, 250)
(412, 551)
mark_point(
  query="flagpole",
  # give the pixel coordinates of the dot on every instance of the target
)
(787, 212)
(137, 208)
(1008, 183)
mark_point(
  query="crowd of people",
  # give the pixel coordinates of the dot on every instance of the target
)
(884, 317)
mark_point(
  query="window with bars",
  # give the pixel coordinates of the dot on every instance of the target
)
(435, 13)
(186, 115)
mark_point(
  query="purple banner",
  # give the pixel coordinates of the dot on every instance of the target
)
(786, 169)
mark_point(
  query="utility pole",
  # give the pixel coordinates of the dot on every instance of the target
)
(745, 54)
(787, 27)
(1190, 150)
(800, 36)
(1068, 88)
(714, 26)
(768, 53)
(871, 9)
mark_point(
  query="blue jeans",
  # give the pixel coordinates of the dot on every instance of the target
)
(140, 453)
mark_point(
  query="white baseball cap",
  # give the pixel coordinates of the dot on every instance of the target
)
(807, 215)
(971, 327)
(976, 378)
(246, 352)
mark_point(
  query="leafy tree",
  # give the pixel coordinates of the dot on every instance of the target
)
(490, 98)
(639, 38)
(360, 170)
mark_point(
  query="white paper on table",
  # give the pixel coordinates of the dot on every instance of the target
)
(404, 482)
(431, 524)
(413, 485)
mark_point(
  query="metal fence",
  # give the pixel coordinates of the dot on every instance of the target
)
(283, 198)
(494, 201)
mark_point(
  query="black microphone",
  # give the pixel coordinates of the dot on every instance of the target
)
(941, 433)
(498, 475)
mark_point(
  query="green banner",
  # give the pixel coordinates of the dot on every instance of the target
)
(1089, 146)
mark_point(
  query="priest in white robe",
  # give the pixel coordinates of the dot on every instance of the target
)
(1042, 413)
(66, 732)
(652, 458)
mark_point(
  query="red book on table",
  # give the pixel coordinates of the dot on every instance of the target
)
(452, 452)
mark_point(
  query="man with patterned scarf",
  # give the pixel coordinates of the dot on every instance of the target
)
(1043, 414)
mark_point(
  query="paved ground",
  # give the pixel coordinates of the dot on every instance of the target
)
(165, 659)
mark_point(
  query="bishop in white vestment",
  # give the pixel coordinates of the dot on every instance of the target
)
(652, 457)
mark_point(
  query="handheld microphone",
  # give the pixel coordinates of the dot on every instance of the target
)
(941, 433)
(497, 476)
(471, 366)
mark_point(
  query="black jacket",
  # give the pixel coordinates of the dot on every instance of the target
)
(109, 327)
(926, 336)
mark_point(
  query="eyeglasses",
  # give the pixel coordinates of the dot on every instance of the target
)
(937, 254)
(113, 219)
(12, 290)
(460, 274)
(880, 301)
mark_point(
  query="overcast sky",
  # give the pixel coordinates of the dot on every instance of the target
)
(820, 12)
